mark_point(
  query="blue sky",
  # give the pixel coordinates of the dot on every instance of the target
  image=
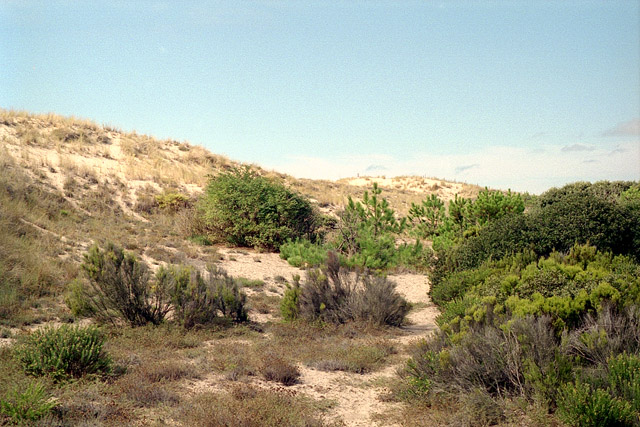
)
(522, 95)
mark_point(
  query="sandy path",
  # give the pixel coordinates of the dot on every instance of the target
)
(356, 397)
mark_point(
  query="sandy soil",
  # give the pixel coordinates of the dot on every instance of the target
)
(356, 396)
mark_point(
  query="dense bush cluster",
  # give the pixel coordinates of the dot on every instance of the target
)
(337, 295)
(120, 288)
(542, 304)
(242, 208)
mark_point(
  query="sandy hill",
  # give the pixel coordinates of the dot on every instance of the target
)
(73, 155)
(66, 183)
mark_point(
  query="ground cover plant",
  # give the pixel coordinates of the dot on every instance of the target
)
(64, 352)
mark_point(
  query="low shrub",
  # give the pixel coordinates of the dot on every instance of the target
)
(64, 352)
(27, 405)
(119, 288)
(303, 253)
(172, 201)
(357, 358)
(336, 295)
(290, 303)
(276, 368)
(582, 405)
(197, 300)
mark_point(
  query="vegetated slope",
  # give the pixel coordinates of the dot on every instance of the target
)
(67, 183)
(107, 184)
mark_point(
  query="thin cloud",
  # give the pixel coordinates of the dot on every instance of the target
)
(466, 167)
(503, 167)
(375, 168)
(577, 147)
(630, 128)
(590, 161)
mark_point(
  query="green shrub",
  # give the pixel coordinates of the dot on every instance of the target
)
(624, 379)
(303, 253)
(197, 300)
(119, 288)
(28, 405)
(426, 217)
(64, 352)
(241, 208)
(77, 300)
(582, 405)
(290, 304)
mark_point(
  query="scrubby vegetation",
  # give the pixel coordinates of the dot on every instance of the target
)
(539, 295)
(120, 288)
(26, 406)
(242, 208)
(337, 295)
(365, 236)
(532, 311)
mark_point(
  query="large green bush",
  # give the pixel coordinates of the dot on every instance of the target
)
(64, 352)
(242, 208)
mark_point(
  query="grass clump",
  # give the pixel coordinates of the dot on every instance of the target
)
(64, 352)
(359, 358)
(26, 406)
(275, 368)
(249, 406)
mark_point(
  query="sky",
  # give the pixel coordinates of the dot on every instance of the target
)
(521, 95)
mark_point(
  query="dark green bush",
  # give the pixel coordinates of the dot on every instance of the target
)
(64, 352)
(241, 208)
(119, 288)
(290, 304)
(172, 201)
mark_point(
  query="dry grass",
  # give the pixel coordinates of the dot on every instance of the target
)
(248, 406)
